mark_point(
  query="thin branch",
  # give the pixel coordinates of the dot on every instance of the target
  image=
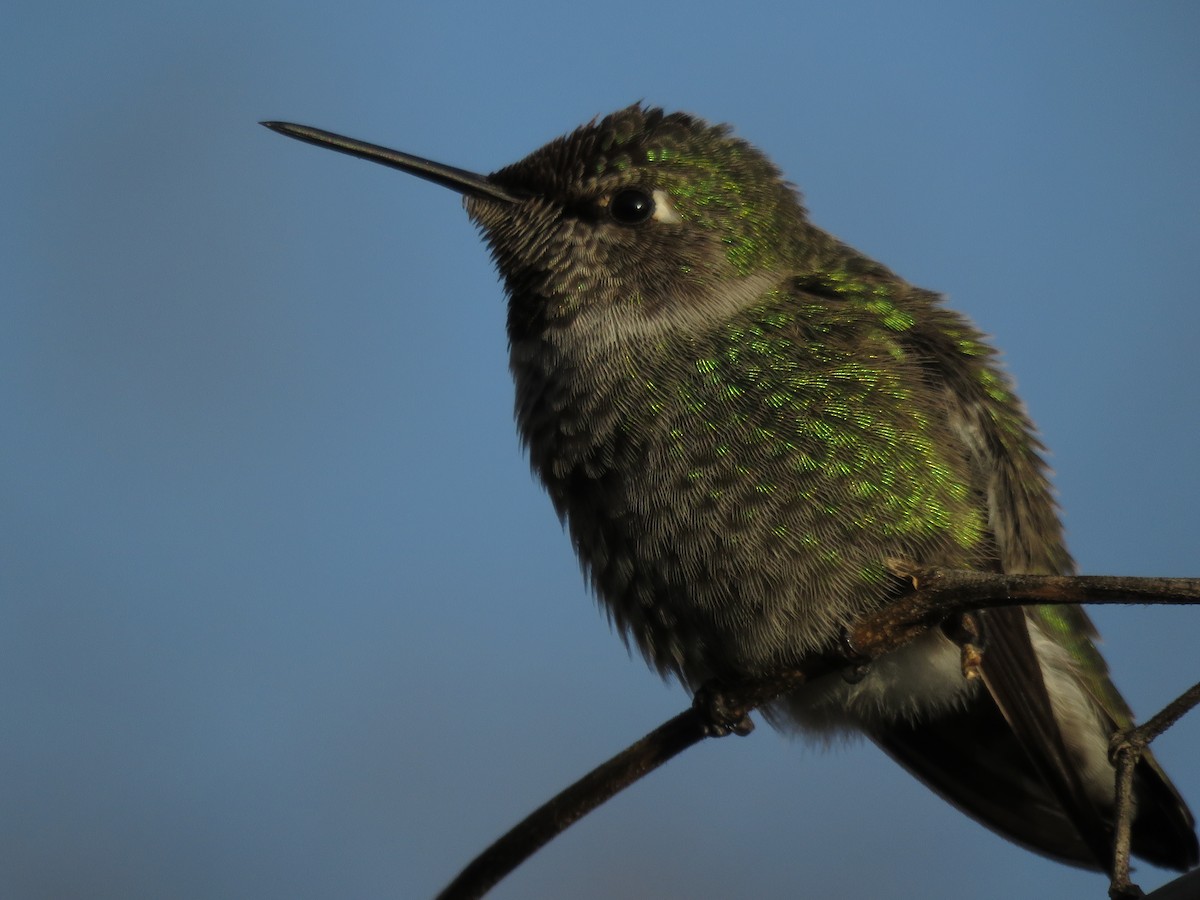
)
(1120, 887)
(551, 818)
(1171, 713)
(934, 596)
(1126, 749)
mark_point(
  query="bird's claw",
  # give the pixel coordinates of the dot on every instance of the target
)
(859, 665)
(966, 630)
(722, 714)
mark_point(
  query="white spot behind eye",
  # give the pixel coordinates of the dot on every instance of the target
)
(664, 209)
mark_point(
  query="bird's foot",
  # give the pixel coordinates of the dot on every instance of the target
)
(858, 665)
(966, 630)
(723, 710)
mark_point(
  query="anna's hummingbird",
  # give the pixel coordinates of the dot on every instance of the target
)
(741, 419)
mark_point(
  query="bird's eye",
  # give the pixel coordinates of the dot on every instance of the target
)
(631, 206)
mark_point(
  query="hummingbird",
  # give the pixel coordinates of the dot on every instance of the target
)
(741, 420)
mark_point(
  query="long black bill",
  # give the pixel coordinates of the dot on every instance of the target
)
(447, 176)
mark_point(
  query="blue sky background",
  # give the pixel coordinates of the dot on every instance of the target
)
(283, 613)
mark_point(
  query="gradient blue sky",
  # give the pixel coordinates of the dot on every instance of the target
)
(282, 612)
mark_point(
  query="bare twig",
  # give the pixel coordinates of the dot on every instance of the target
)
(555, 816)
(935, 595)
(1126, 749)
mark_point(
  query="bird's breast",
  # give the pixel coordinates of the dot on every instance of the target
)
(733, 506)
